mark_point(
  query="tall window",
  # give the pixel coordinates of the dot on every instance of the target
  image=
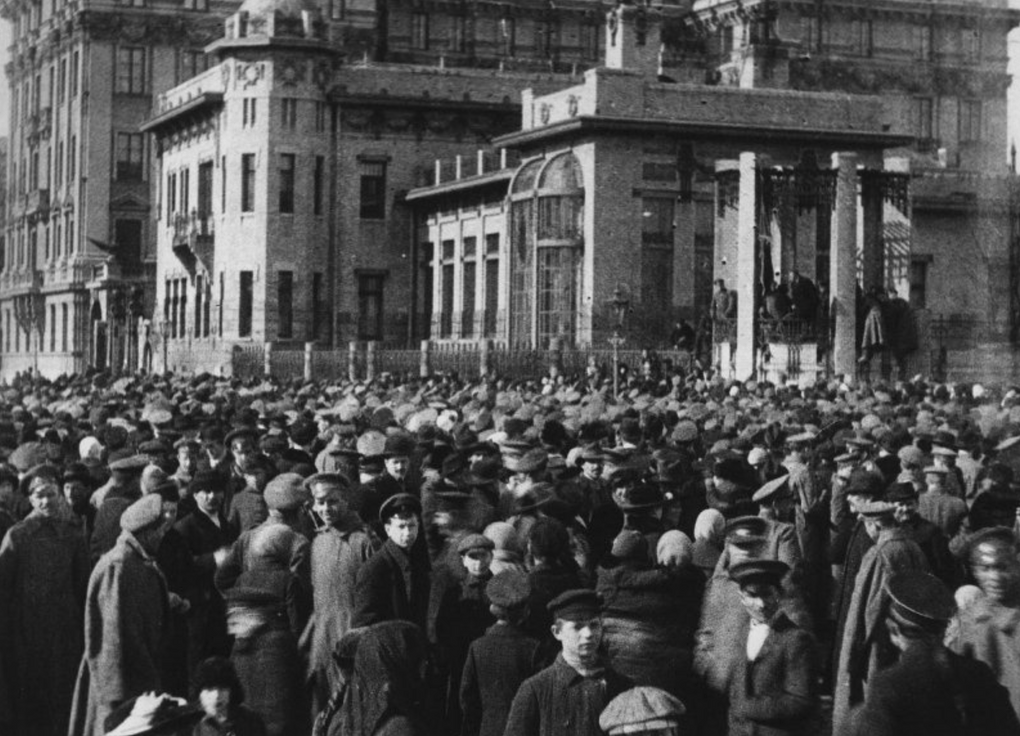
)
(186, 190)
(970, 121)
(923, 35)
(130, 73)
(336, 9)
(458, 34)
(924, 119)
(171, 193)
(508, 36)
(491, 283)
(205, 187)
(62, 82)
(247, 182)
(191, 63)
(74, 74)
(287, 183)
(53, 328)
(130, 156)
(58, 164)
(590, 33)
(447, 293)
(249, 110)
(127, 238)
(285, 304)
(657, 251)
(72, 158)
(971, 44)
(63, 327)
(373, 190)
(245, 303)
(919, 283)
(862, 37)
(318, 177)
(198, 304)
(419, 30)
(546, 32)
(223, 183)
(317, 307)
(468, 288)
(288, 113)
(370, 306)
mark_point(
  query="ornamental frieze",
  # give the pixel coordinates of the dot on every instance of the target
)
(380, 121)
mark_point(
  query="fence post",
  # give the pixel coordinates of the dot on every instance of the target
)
(267, 360)
(484, 357)
(370, 358)
(352, 360)
(555, 357)
(424, 369)
(309, 354)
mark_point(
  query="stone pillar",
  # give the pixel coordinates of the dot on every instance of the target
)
(370, 360)
(484, 357)
(352, 360)
(872, 257)
(555, 357)
(309, 356)
(267, 360)
(424, 369)
(747, 212)
(843, 266)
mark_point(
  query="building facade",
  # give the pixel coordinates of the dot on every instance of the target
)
(78, 253)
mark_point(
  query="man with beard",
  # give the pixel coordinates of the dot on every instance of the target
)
(989, 629)
(568, 696)
(43, 576)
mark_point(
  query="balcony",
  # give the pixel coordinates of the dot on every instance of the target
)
(39, 125)
(37, 203)
(194, 239)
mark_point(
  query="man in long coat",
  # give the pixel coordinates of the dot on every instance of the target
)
(989, 629)
(341, 546)
(44, 571)
(126, 610)
(865, 647)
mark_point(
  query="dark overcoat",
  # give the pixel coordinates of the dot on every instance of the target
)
(495, 667)
(393, 585)
(775, 694)
(44, 572)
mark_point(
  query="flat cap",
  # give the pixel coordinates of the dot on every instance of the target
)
(154, 447)
(745, 531)
(863, 482)
(685, 431)
(580, 604)
(397, 504)
(757, 456)
(641, 710)
(943, 451)
(846, 457)
(801, 438)
(875, 509)
(286, 491)
(131, 464)
(474, 542)
(329, 479)
(773, 488)
(509, 589)
(398, 445)
(239, 433)
(936, 470)
(910, 455)
(532, 461)
(769, 572)
(145, 512)
(920, 599)
(983, 540)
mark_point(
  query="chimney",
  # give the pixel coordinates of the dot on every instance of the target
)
(634, 38)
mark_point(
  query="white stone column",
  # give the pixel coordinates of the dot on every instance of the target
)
(747, 215)
(843, 265)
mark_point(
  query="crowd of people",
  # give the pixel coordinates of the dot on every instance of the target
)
(204, 555)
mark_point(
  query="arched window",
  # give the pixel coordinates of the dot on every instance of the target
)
(546, 245)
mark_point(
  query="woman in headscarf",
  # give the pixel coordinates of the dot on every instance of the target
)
(385, 694)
